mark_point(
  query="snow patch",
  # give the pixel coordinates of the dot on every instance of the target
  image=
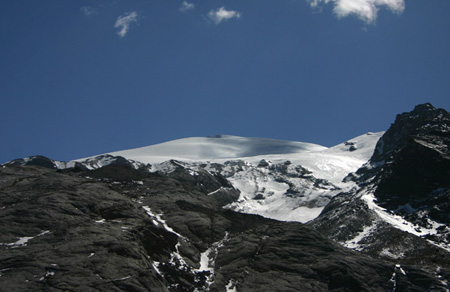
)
(123, 279)
(218, 190)
(387, 252)
(396, 220)
(288, 194)
(155, 265)
(22, 241)
(49, 274)
(393, 280)
(354, 242)
(63, 164)
(208, 260)
(4, 270)
(176, 259)
(231, 286)
(157, 220)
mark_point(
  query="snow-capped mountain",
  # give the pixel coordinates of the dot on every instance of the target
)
(163, 217)
(332, 164)
(215, 148)
(284, 180)
(278, 179)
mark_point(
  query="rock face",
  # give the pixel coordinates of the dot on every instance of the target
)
(120, 229)
(400, 209)
(416, 175)
(114, 224)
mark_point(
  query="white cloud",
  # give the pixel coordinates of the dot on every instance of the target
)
(366, 10)
(87, 10)
(221, 14)
(123, 22)
(185, 6)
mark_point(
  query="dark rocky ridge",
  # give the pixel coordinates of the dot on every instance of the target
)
(409, 176)
(410, 169)
(417, 151)
(90, 232)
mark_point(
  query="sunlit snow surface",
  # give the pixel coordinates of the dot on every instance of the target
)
(330, 164)
(215, 148)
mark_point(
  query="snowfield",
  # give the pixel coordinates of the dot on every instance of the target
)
(332, 164)
(215, 148)
(283, 180)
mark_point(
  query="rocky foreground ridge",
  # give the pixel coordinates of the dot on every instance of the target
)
(119, 227)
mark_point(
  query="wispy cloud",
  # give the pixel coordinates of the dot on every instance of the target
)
(88, 11)
(221, 15)
(186, 6)
(366, 10)
(123, 23)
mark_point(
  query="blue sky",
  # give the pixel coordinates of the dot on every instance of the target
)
(80, 78)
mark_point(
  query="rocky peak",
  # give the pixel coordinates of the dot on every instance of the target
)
(422, 135)
(37, 160)
(424, 120)
(400, 209)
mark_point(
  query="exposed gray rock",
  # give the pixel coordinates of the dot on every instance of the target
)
(409, 178)
(109, 224)
(92, 231)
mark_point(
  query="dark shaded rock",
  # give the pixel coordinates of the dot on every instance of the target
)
(89, 233)
(119, 173)
(423, 120)
(409, 176)
(34, 160)
(259, 197)
(101, 161)
(263, 163)
(214, 185)
(54, 237)
(352, 148)
(411, 166)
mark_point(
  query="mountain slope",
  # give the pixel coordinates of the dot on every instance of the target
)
(215, 148)
(111, 223)
(326, 163)
(121, 229)
(283, 180)
(399, 208)
(278, 179)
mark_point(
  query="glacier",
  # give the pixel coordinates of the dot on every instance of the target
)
(278, 179)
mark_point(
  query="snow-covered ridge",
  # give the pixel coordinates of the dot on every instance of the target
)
(284, 180)
(220, 147)
(332, 164)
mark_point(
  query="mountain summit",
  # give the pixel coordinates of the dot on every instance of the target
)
(400, 206)
(197, 214)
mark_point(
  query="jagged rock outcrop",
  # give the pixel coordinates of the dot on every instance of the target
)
(400, 207)
(411, 166)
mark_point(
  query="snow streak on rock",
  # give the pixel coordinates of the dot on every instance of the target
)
(398, 221)
(208, 260)
(231, 286)
(22, 241)
(157, 220)
(354, 242)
